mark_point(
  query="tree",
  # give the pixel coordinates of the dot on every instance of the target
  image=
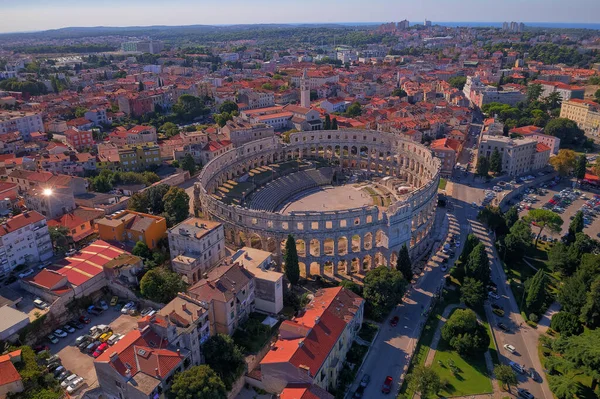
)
(576, 226)
(404, 264)
(399, 93)
(383, 289)
(511, 216)
(188, 163)
(161, 285)
(505, 375)
(425, 381)
(228, 106)
(580, 167)
(353, 110)
(563, 386)
(566, 130)
(101, 184)
(534, 91)
(327, 124)
(155, 195)
(583, 351)
(177, 205)
(536, 292)
(458, 82)
(566, 324)
(290, 259)
(222, 118)
(478, 265)
(169, 129)
(572, 295)
(334, 124)
(141, 249)
(492, 216)
(564, 162)
(483, 166)
(352, 286)
(138, 202)
(225, 358)
(463, 333)
(553, 100)
(471, 242)
(597, 96)
(496, 162)
(60, 237)
(543, 219)
(559, 259)
(517, 241)
(472, 292)
(80, 112)
(590, 312)
(198, 382)
(189, 107)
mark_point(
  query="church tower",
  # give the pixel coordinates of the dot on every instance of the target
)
(304, 91)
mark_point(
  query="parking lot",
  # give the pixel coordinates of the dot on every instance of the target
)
(567, 205)
(82, 363)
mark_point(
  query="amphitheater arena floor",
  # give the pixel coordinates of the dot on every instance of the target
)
(328, 198)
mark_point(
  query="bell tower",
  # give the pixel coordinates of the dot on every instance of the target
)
(304, 91)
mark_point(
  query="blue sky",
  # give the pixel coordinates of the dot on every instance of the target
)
(28, 15)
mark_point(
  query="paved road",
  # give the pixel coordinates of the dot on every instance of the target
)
(521, 336)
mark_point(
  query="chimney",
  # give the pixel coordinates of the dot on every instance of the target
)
(317, 320)
(300, 344)
(184, 307)
(156, 372)
(178, 351)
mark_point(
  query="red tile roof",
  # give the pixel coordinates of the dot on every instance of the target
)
(8, 372)
(526, 130)
(20, 221)
(542, 147)
(305, 392)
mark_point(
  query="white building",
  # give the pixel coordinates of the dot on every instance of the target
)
(97, 116)
(480, 94)
(519, 156)
(24, 239)
(231, 57)
(24, 122)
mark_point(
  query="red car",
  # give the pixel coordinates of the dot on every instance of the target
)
(394, 321)
(96, 354)
(387, 385)
(84, 319)
(102, 347)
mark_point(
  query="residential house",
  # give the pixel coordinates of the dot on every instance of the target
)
(135, 136)
(447, 151)
(129, 226)
(585, 113)
(566, 92)
(536, 133)
(10, 379)
(519, 156)
(22, 122)
(79, 139)
(240, 132)
(80, 222)
(139, 157)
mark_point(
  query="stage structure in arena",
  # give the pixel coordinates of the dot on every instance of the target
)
(350, 198)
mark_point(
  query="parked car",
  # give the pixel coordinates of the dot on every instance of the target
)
(52, 359)
(84, 319)
(103, 305)
(63, 375)
(82, 338)
(517, 367)
(126, 308)
(365, 380)
(52, 338)
(534, 375)
(114, 339)
(67, 381)
(76, 324)
(71, 252)
(68, 328)
(358, 394)
(92, 346)
(387, 385)
(394, 321)
(59, 370)
(104, 337)
(503, 327)
(493, 295)
(114, 300)
(38, 303)
(83, 345)
(509, 348)
(26, 273)
(146, 311)
(53, 366)
(94, 310)
(496, 306)
(59, 333)
(75, 385)
(524, 393)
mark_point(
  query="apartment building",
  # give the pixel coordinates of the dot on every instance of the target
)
(311, 347)
(268, 289)
(567, 92)
(252, 99)
(229, 291)
(315, 79)
(20, 121)
(585, 113)
(240, 132)
(27, 180)
(139, 157)
(134, 136)
(141, 365)
(98, 116)
(131, 227)
(447, 151)
(519, 156)
(196, 246)
(24, 239)
(50, 202)
(536, 133)
(79, 139)
(185, 323)
(480, 94)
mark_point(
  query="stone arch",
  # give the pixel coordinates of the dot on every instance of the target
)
(271, 245)
(368, 241)
(364, 152)
(380, 260)
(394, 258)
(315, 247)
(301, 247)
(380, 238)
(255, 241)
(302, 267)
(355, 265)
(328, 267)
(367, 263)
(342, 246)
(356, 241)
(354, 150)
(315, 269)
(242, 238)
(329, 247)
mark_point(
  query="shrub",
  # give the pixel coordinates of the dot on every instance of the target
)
(531, 324)
(533, 317)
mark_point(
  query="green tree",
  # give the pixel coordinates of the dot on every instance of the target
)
(188, 163)
(225, 358)
(564, 162)
(463, 333)
(60, 237)
(228, 106)
(161, 285)
(351, 285)
(404, 264)
(327, 124)
(472, 292)
(334, 124)
(580, 167)
(572, 294)
(141, 249)
(189, 107)
(101, 184)
(354, 110)
(566, 130)
(138, 202)
(566, 324)
(198, 382)
(583, 352)
(169, 129)
(597, 96)
(590, 312)
(553, 100)
(398, 92)
(478, 265)
(511, 216)
(483, 166)
(222, 118)
(535, 298)
(576, 226)
(177, 205)
(80, 112)
(534, 91)
(424, 381)
(290, 259)
(155, 195)
(562, 386)
(559, 259)
(458, 82)
(492, 216)
(544, 219)
(383, 289)
(518, 240)
(505, 375)
(496, 162)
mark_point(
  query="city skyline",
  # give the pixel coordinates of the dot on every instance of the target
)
(18, 15)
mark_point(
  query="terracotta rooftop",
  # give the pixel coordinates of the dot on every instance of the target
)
(20, 221)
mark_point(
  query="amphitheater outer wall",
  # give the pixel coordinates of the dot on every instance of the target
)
(353, 240)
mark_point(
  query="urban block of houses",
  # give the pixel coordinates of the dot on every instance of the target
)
(241, 132)
(134, 136)
(80, 222)
(311, 347)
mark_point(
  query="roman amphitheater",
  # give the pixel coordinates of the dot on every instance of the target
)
(350, 198)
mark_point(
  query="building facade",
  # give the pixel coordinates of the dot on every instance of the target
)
(130, 226)
(19, 121)
(585, 113)
(518, 155)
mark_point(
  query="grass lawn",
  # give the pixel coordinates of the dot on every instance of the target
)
(368, 331)
(442, 185)
(252, 336)
(492, 347)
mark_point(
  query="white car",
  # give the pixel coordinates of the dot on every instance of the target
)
(26, 273)
(493, 295)
(71, 252)
(75, 385)
(126, 308)
(59, 333)
(67, 381)
(509, 348)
